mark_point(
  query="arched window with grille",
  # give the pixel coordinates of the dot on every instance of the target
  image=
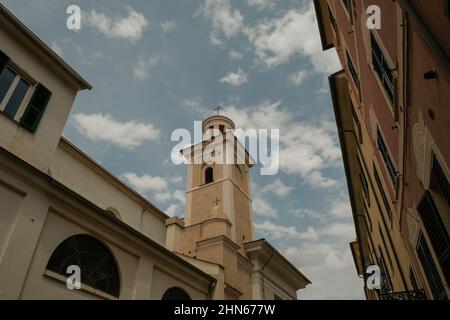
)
(209, 175)
(98, 266)
(175, 294)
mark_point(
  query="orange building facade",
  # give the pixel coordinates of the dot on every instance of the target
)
(392, 107)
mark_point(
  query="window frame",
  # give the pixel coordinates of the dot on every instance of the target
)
(385, 63)
(380, 138)
(447, 9)
(353, 72)
(59, 259)
(20, 74)
(382, 192)
(424, 254)
(348, 8)
(205, 175)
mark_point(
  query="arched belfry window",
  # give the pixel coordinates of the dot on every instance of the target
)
(98, 267)
(209, 175)
(175, 294)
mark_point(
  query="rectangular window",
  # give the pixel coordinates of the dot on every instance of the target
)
(351, 68)
(6, 80)
(447, 8)
(439, 179)
(386, 286)
(332, 19)
(17, 98)
(356, 122)
(364, 184)
(13, 89)
(348, 8)
(386, 157)
(383, 194)
(431, 273)
(346, 5)
(436, 231)
(413, 280)
(391, 263)
(381, 67)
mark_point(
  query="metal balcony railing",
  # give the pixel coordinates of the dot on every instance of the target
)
(405, 295)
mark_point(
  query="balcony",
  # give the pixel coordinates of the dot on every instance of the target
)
(405, 295)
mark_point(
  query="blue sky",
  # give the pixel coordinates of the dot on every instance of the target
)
(160, 65)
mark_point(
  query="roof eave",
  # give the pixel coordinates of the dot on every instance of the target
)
(35, 40)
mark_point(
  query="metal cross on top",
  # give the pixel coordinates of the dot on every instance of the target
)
(218, 110)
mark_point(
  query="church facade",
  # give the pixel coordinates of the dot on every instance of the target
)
(59, 208)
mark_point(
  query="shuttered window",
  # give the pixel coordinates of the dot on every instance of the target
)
(437, 232)
(431, 273)
(332, 19)
(386, 157)
(383, 194)
(4, 59)
(439, 179)
(382, 69)
(352, 69)
(33, 114)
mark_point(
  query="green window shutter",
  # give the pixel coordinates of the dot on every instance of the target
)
(4, 59)
(33, 114)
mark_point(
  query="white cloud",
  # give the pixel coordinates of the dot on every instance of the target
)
(234, 56)
(276, 232)
(162, 196)
(340, 230)
(103, 127)
(169, 26)
(336, 231)
(180, 196)
(130, 28)
(298, 77)
(306, 148)
(278, 188)
(195, 105)
(176, 179)
(57, 48)
(145, 183)
(154, 187)
(262, 208)
(276, 41)
(261, 4)
(330, 268)
(236, 79)
(172, 210)
(144, 67)
(225, 20)
(307, 213)
(340, 207)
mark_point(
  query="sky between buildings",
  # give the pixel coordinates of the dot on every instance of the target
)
(160, 65)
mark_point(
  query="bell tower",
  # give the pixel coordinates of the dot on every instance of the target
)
(218, 180)
(217, 234)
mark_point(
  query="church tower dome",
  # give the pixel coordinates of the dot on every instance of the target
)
(218, 122)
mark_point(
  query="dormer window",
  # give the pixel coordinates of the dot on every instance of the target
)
(15, 89)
